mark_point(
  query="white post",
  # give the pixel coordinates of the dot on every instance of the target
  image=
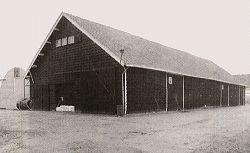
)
(24, 88)
(125, 92)
(220, 95)
(239, 95)
(123, 102)
(244, 95)
(228, 97)
(166, 92)
(183, 94)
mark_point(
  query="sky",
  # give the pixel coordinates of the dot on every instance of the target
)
(218, 30)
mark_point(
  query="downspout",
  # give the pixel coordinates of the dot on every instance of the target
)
(124, 90)
(124, 84)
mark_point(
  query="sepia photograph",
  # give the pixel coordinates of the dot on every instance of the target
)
(152, 76)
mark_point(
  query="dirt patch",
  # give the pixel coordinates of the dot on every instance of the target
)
(238, 143)
(209, 130)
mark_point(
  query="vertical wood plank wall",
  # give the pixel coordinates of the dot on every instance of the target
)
(146, 90)
(92, 74)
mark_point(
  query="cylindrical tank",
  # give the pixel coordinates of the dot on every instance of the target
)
(12, 88)
(24, 104)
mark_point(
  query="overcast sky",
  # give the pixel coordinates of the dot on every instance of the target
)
(218, 30)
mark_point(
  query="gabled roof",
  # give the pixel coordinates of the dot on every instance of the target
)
(143, 53)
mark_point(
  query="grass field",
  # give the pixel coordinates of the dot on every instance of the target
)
(207, 130)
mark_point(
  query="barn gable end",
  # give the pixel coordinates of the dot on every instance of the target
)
(67, 71)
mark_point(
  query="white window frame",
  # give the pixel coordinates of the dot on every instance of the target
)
(64, 41)
(71, 39)
(58, 43)
(170, 80)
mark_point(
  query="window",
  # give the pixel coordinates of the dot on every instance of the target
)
(64, 41)
(58, 42)
(71, 40)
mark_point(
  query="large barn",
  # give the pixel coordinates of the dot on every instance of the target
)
(98, 69)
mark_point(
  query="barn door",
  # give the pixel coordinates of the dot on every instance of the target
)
(65, 94)
(224, 95)
(175, 92)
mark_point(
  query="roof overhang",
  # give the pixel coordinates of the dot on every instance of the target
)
(182, 74)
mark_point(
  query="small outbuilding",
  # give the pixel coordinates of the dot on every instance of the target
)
(12, 88)
(96, 68)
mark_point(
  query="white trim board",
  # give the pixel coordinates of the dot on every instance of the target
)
(181, 74)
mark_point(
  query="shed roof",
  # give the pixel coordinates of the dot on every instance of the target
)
(143, 53)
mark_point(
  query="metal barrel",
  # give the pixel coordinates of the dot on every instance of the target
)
(24, 104)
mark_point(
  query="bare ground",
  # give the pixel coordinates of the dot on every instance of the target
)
(208, 130)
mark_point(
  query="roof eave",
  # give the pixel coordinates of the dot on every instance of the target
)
(182, 74)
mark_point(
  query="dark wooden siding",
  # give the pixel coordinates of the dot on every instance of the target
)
(175, 92)
(234, 95)
(90, 80)
(146, 90)
(224, 94)
(201, 92)
(242, 95)
(70, 69)
(99, 91)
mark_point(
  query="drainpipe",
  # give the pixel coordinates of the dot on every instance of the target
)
(124, 85)
(124, 90)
